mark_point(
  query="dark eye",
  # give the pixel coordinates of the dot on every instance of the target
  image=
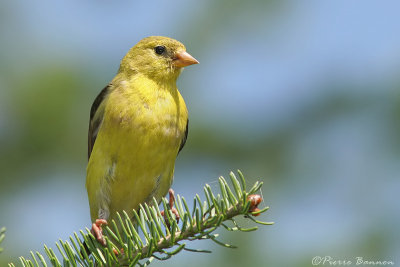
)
(159, 49)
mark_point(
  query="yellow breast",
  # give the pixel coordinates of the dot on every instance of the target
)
(133, 158)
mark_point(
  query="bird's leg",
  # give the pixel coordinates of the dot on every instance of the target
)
(97, 231)
(171, 204)
(171, 194)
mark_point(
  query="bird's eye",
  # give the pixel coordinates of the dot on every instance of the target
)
(159, 49)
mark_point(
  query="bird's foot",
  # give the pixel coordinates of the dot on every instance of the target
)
(171, 194)
(97, 231)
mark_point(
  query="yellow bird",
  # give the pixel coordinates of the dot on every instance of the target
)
(138, 125)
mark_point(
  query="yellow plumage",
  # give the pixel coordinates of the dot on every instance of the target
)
(138, 125)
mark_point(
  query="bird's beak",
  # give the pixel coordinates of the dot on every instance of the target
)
(183, 59)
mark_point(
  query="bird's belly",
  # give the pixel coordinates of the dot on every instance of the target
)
(144, 163)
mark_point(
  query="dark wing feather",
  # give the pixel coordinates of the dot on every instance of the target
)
(95, 121)
(183, 142)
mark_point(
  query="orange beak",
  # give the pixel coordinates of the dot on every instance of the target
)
(183, 59)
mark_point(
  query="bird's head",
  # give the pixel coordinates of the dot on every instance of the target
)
(159, 58)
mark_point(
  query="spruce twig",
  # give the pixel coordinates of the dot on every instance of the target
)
(148, 235)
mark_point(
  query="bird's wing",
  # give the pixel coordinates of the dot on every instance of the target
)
(96, 118)
(183, 142)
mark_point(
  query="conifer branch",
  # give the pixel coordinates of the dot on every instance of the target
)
(148, 235)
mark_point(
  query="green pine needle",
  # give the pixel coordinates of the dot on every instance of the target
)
(2, 236)
(147, 236)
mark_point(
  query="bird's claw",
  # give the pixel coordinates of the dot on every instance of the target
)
(97, 231)
(171, 195)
